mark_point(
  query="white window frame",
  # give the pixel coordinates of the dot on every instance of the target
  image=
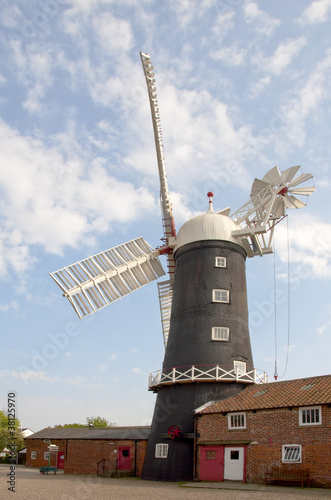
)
(308, 413)
(220, 333)
(239, 366)
(220, 261)
(291, 453)
(237, 420)
(33, 455)
(161, 450)
(221, 295)
(46, 455)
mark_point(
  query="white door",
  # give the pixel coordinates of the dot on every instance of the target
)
(234, 463)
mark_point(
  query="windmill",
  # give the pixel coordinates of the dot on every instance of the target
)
(203, 304)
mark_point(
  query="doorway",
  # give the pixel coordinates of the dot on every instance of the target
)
(60, 460)
(234, 463)
(124, 458)
(211, 463)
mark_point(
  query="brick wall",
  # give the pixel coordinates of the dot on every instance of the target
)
(82, 456)
(141, 452)
(40, 447)
(267, 431)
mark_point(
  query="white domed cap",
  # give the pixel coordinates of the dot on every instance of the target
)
(208, 226)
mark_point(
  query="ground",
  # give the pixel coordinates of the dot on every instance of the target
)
(31, 485)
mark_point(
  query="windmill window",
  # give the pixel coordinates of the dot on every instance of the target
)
(310, 416)
(221, 296)
(220, 261)
(237, 420)
(161, 450)
(33, 455)
(220, 333)
(291, 453)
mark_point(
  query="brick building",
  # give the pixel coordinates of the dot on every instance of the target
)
(284, 424)
(103, 450)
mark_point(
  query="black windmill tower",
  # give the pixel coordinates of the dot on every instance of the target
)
(203, 304)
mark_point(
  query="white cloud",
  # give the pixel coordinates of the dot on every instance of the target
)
(307, 260)
(232, 55)
(282, 57)
(223, 24)
(113, 34)
(323, 183)
(33, 376)
(42, 58)
(48, 201)
(137, 370)
(6, 307)
(95, 386)
(308, 100)
(257, 87)
(324, 327)
(187, 11)
(200, 134)
(79, 380)
(262, 21)
(317, 12)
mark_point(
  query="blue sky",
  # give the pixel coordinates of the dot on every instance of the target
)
(242, 86)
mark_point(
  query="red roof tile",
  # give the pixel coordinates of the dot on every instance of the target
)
(298, 392)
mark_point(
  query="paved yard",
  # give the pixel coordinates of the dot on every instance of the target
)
(31, 485)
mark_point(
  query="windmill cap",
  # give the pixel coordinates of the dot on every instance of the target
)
(208, 226)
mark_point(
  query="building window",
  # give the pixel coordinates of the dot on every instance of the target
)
(161, 450)
(33, 455)
(220, 261)
(239, 367)
(221, 296)
(237, 420)
(46, 455)
(310, 415)
(220, 333)
(291, 453)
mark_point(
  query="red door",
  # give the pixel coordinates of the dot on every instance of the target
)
(211, 463)
(124, 458)
(60, 460)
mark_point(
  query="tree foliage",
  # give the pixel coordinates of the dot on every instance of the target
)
(6, 437)
(91, 422)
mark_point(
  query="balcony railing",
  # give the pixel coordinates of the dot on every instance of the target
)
(204, 373)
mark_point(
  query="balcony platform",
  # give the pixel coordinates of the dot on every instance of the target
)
(203, 373)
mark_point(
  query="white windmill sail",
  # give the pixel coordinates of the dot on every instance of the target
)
(165, 289)
(97, 281)
(165, 299)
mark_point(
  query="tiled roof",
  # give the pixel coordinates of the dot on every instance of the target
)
(298, 392)
(141, 432)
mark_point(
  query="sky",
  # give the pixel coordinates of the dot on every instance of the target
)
(242, 86)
